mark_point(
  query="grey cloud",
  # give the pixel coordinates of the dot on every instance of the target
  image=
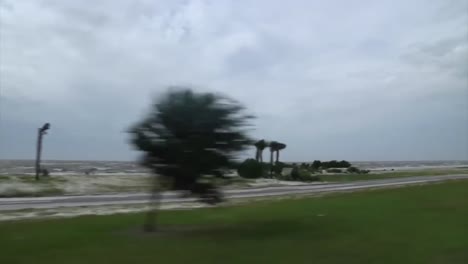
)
(445, 54)
(361, 80)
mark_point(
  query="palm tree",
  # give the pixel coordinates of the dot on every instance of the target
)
(273, 145)
(260, 145)
(40, 133)
(279, 147)
(187, 135)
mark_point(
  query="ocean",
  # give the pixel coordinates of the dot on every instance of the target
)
(127, 167)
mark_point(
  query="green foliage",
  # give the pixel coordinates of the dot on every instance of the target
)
(298, 174)
(251, 169)
(335, 164)
(353, 170)
(295, 174)
(4, 177)
(316, 164)
(188, 134)
(334, 170)
(310, 178)
(278, 167)
(344, 164)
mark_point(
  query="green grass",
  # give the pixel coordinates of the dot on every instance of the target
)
(388, 175)
(4, 178)
(423, 224)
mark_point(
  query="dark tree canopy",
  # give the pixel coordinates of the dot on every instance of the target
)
(336, 164)
(316, 164)
(188, 135)
(330, 164)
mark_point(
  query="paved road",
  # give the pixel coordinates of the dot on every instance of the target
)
(7, 204)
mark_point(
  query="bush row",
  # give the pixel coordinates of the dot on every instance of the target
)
(252, 169)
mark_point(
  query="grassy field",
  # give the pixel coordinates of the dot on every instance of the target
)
(422, 224)
(388, 175)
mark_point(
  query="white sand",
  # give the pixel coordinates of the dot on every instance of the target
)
(274, 182)
(77, 184)
(104, 183)
(66, 212)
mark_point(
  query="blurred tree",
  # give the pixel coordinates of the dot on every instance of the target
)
(187, 136)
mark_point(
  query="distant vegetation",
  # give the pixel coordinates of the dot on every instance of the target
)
(317, 164)
(255, 168)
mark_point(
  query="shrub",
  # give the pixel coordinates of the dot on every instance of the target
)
(353, 170)
(344, 164)
(278, 167)
(304, 175)
(335, 164)
(316, 164)
(334, 170)
(295, 174)
(251, 169)
(311, 178)
(285, 177)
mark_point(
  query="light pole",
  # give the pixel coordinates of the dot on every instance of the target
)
(40, 132)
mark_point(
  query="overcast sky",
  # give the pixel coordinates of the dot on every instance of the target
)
(356, 80)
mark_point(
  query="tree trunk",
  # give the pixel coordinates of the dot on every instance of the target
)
(38, 153)
(260, 155)
(277, 156)
(151, 216)
(271, 163)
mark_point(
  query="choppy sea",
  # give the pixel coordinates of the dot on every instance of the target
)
(125, 167)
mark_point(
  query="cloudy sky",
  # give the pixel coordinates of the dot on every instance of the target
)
(356, 80)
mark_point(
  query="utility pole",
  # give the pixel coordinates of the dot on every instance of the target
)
(40, 133)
